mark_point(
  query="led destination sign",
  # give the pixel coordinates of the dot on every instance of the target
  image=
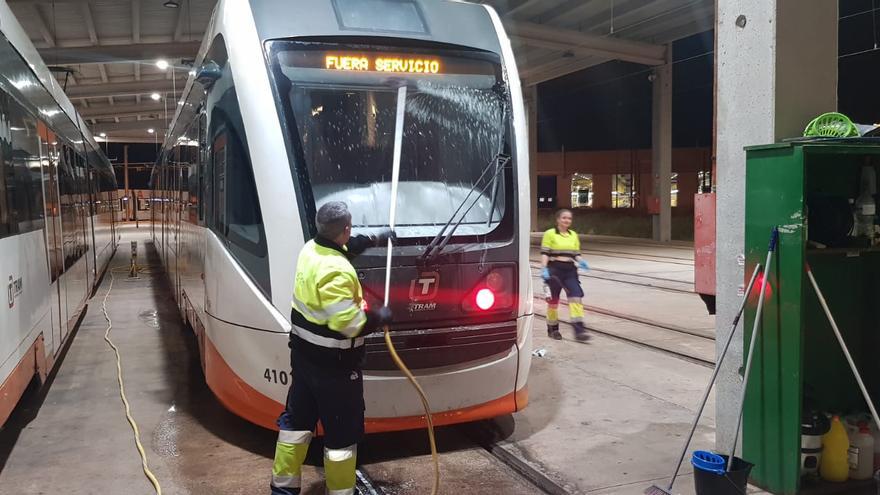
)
(412, 65)
(351, 60)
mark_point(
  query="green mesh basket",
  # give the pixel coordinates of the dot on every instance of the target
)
(831, 124)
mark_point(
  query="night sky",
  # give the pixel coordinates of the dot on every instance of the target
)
(609, 106)
(137, 153)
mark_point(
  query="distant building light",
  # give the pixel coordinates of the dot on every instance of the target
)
(162, 64)
(155, 96)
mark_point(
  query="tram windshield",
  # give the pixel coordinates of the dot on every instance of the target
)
(342, 113)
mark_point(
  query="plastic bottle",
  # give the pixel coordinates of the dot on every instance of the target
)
(861, 454)
(865, 207)
(834, 465)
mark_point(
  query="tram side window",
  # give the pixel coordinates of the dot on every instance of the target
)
(202, 163)
(231, 201)
(238, 217)
(69, 220)
(82, 182)
(26, 176)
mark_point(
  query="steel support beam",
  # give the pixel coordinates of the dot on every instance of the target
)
(120, 89)
(43, 27)
(566, 40)
(557, 68)
(108, 54)
(109, 111)
(90, 23)
(128, 127)
(46, 2)
(136, 21)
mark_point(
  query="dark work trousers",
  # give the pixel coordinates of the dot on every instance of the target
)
(330, 395)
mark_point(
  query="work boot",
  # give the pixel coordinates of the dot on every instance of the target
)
(580, 332)
(553, 332)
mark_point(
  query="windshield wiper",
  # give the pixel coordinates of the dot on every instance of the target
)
(438, 243)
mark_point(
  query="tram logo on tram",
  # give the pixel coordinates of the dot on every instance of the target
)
(14, 289)
(424, 287)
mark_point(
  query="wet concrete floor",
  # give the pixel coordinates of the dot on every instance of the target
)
(605, 417)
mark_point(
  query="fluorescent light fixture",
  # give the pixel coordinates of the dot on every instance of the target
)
(155, 96)
(103, 134)
(162, 64)
(151, 130)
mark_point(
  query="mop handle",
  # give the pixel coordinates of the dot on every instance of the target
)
(708, 390)
(395, 180)
(843, 347)
(756, 328)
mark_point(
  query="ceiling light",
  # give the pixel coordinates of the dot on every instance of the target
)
(171, 4)
(103, 134)
(151, 130)
(156, 96)
(162, 64)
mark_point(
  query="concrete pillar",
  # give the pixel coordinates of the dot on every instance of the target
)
(661, 158)
(530, 94)
(776, 68)
(563, 191)
(602, 190)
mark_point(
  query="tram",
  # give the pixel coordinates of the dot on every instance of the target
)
(293, 104)
(58, 210)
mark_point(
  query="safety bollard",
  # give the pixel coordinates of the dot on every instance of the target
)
(134, 254)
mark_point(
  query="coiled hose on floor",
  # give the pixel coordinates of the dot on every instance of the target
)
(134, 427)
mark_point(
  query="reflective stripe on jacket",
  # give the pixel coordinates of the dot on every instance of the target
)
(555, 244)
(328, 314)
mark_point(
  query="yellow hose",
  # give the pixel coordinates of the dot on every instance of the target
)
(131, 421)
(412, 379)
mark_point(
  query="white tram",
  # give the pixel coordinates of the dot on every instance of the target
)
(57, 215)
(294, 103)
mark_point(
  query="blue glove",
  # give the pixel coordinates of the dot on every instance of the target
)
(582, 264)
(545, 274)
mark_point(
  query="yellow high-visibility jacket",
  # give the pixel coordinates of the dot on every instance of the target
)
(328, 313)
(556, 245)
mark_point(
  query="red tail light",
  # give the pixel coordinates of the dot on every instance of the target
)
(494, 292)
(485, 299)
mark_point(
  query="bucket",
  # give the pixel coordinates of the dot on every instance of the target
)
(724, 483)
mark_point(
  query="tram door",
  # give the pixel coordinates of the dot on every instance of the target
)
(54, 238)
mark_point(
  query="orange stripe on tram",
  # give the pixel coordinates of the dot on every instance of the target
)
(245, 401)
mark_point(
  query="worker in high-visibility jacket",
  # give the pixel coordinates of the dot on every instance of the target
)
(560, 260)
(327, 351)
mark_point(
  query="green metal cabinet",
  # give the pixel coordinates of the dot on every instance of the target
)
(797, 357)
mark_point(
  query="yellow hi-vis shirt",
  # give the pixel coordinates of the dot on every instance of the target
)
(557, 245)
